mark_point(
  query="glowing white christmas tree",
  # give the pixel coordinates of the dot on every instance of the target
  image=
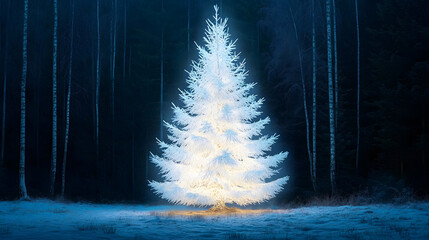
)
(216, 153)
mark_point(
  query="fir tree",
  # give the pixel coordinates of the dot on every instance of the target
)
(217, 153)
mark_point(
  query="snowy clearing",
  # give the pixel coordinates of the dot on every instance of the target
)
(44, 219)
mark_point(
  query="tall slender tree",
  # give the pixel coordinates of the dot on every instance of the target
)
(97, 84)
(133, 179)
(125, 39)
(66, 135)
(313, 40)
(1, 7)
(111, 42)
(3, 120)
(358, 85)
(189, 22)
(54, 102)
(161, 103)
(115, 20)
(114, 59)
(39, 53)
(331, 96)
(334, 20)
(22, 187)
(304, 95)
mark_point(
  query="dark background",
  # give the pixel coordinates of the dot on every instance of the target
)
(394, 92)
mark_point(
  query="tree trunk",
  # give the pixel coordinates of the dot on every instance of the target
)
(114, 62)
(97, 85)
(162, 78)
(112, 164)
(314, 174)
(22, 187)
(358, 85)
(3, 122)
(39, 52)
(125, 40)
(189, 21)
(423, 139)
(304, 98)
(54, 103)
(331, 97)
(111, 44)
(93, 84)
(66, 138)
(133, 161)
(335, 62)
(219, 207)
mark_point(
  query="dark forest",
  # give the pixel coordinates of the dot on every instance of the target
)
(118, 66)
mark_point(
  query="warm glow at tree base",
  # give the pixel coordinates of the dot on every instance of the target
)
(217, 153)
(217, 212)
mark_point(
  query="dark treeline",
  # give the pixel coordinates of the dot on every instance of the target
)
(134, 46)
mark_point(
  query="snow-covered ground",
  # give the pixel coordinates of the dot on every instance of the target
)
(44, 219)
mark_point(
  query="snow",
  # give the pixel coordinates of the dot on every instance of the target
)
(45, 219)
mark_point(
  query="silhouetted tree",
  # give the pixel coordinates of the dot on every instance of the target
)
(66, 138)
(22, 187)
(54, 103)
(331, 96)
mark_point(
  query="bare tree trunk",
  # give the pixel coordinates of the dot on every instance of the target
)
(39, 52)
(335, 62)
(54, 103)
(93, 84)
(97, 85)
(314, 98)
(304, 98)
(423, 139)
(189, 21)
(358, 85)
(133, 136)
(22, 187)
(66, 138)
(3, 122)
(111, 44)
(133, 160)
(112, 164)
(162, 79)
(1, 7)
(125, 40)
(114, 61)
(331, 97)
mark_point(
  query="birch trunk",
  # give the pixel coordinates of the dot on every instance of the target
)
(335, 62)
(125, 40)
(54, 103)
(358, 85)
(97, 85)
(22, 187)
(66, 138)
(114, 61)
(112, 164)
(133, 160)
(314, 174)
(304, 98)
(39, 52)
(162, 79)
(189, 21)
(331, 97)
